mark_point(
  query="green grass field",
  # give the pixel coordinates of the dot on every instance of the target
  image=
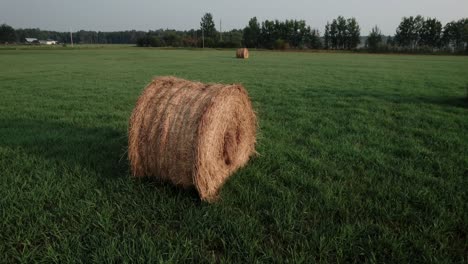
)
(362, 158)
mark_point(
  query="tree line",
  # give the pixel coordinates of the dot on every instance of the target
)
(205, 36)
(419, 34)
(413, 34)
(280, 35)
(10, 35)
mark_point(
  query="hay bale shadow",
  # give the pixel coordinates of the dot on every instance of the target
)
(101, 149)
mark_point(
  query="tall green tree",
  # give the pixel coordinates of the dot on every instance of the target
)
(298, 33)
(251, 37)
(342, 33)
(353, 33)
(455, 35)
(408, 32)
(267, 34)
(7, 34)
(208, 26)
(431, 33)
(327, 37)
(334, 43)
(374, 39)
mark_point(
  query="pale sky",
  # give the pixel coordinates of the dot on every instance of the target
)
(114, 15)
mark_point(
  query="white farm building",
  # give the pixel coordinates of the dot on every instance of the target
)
(31, 40)
(42, 42)
(48, 42)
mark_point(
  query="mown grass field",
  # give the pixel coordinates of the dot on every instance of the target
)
(362, 158)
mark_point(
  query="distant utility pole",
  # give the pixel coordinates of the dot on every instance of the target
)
(203, 38)
(71, 38)
(220, 30)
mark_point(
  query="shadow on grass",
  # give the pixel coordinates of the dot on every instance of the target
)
(451, 101)
(447, 101)
(102, 149)
(441, 101)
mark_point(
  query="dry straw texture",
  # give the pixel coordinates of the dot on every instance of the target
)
(242, 53)
(191, 134)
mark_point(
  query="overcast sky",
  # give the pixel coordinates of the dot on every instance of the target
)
(113, 15)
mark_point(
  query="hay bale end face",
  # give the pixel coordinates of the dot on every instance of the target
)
(191, 134)
(242, 53)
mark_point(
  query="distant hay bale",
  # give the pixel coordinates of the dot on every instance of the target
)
(242, 53)
(191, 134)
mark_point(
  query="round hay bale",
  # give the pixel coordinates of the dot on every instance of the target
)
(191, 134)
(242, 53)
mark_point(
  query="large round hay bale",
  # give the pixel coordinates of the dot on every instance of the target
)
(242, 53)
(191, 134)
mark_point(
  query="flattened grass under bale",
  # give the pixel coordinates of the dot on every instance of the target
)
(362, 157)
